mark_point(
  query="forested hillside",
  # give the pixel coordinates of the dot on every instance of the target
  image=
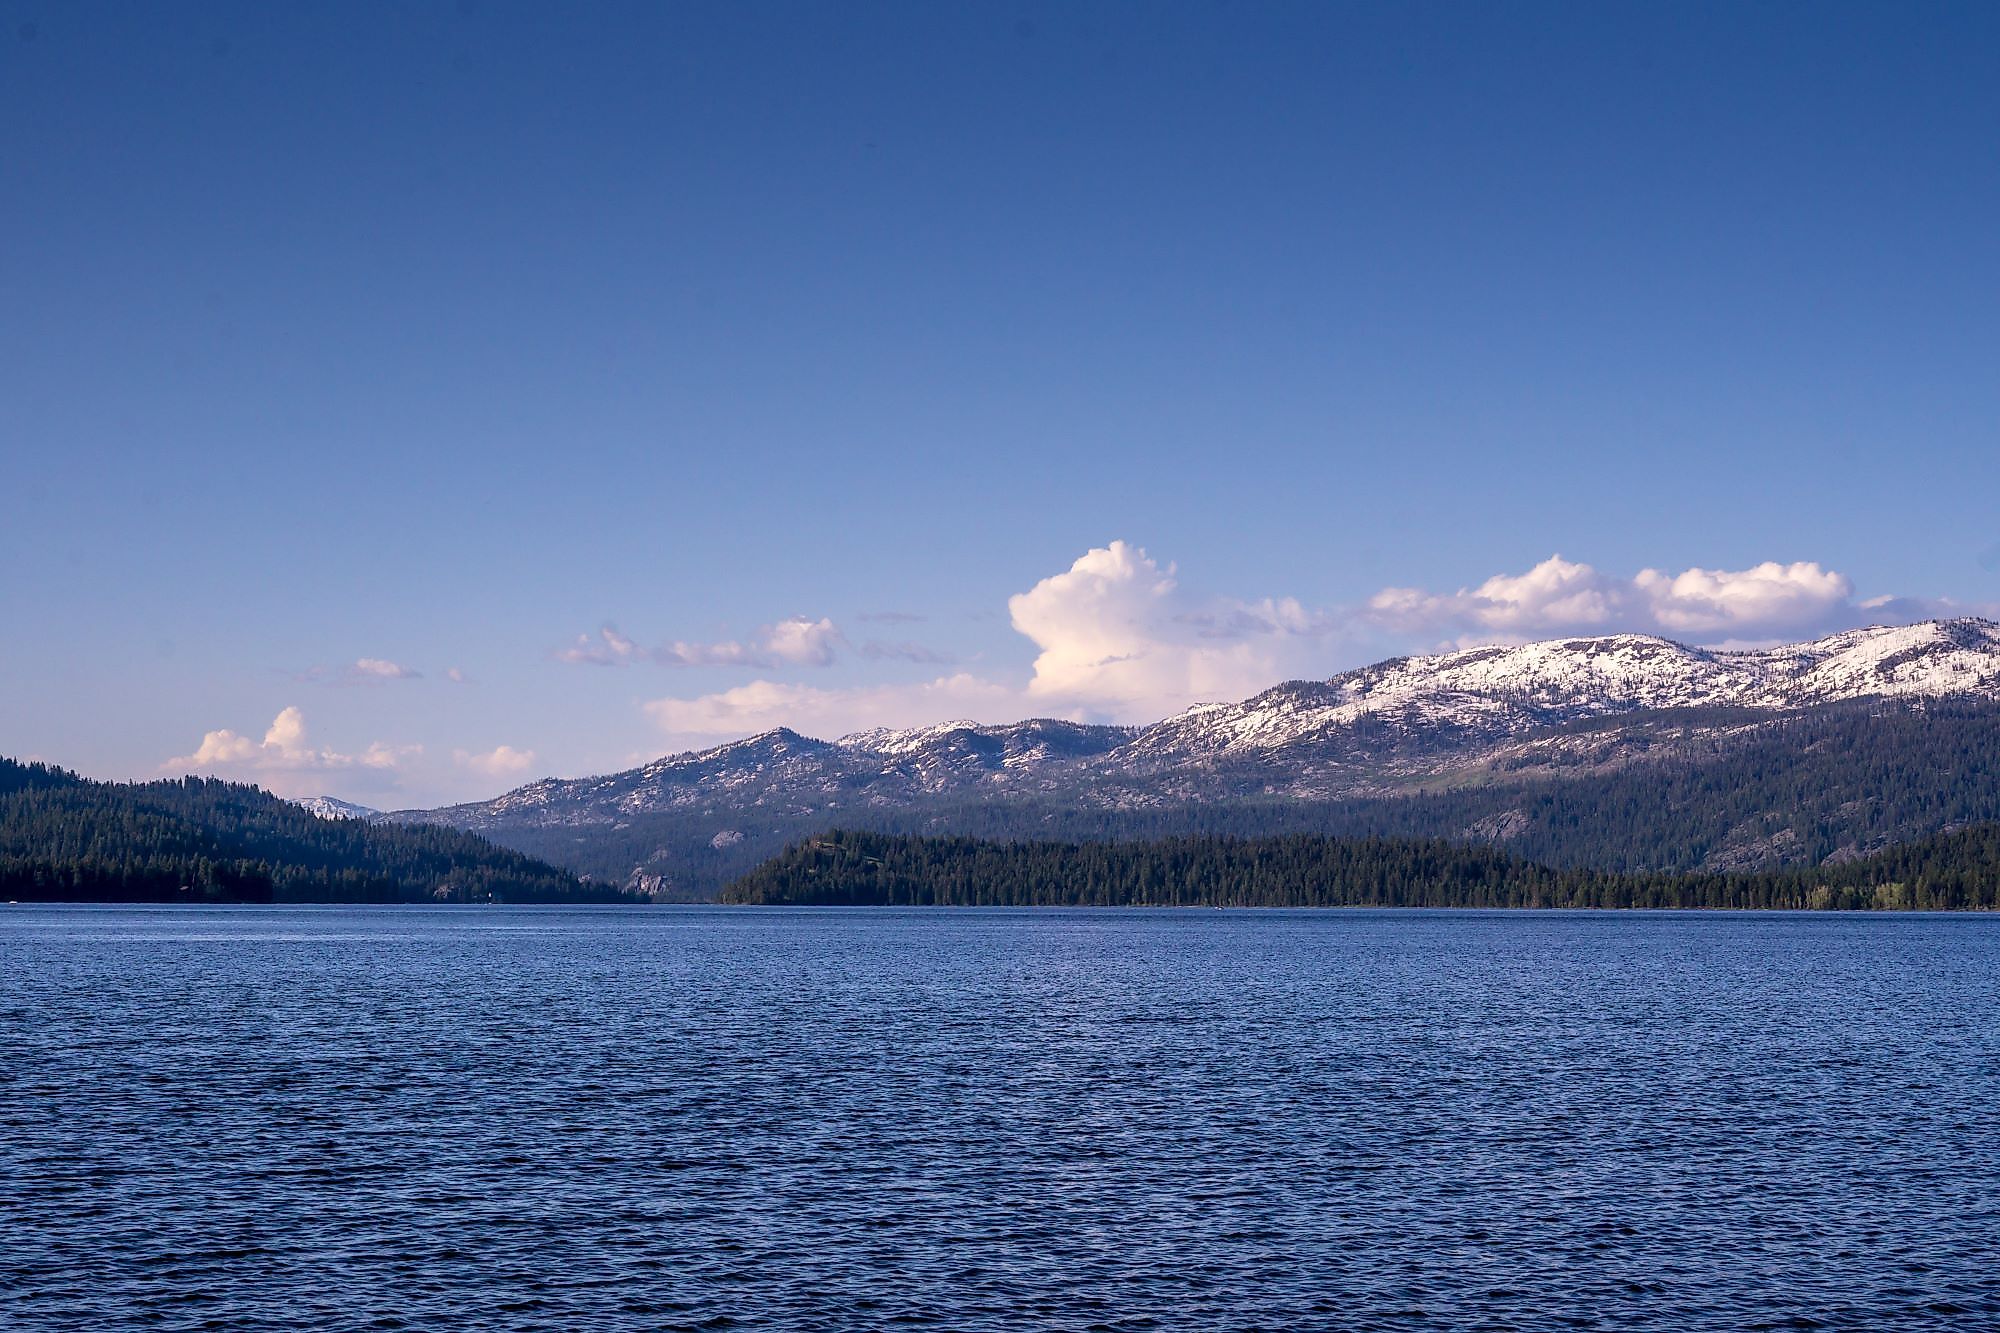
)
(1678, 790)
(63, 838)
(1951, 872)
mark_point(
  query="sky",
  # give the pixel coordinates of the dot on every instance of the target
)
(404, 402)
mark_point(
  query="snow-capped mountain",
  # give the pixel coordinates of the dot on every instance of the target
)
(783, 772)
(1504, 691)
(331, 807)
(1392, 727)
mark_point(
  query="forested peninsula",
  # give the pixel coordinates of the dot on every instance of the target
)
(1949, 872)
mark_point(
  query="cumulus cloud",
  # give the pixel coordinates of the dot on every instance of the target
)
(1119, 637)
(217, 748)
(1559, 596)
(798, 641)
(284, 760)
(457, 676)
(1766, 598)
(801, 642)
(502, 761)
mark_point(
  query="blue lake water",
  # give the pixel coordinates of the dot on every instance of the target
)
(270, 1118)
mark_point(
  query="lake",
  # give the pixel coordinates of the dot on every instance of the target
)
(707, 1118)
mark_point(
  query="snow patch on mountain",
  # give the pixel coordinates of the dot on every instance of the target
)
(1404, 719)
(1506, 690)
(330, 807)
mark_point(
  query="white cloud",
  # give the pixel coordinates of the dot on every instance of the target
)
(609, 648)
(795, 642)
(376, 668)
(1119, 637)
(1766, 598)
(764, 704)
(802, 642)
(217, 748)
(457, 676)
(285, 761)
(287, 733)
(727, 653)
(361, 671)
(1559, 596)
(381, 754)
(502, 761)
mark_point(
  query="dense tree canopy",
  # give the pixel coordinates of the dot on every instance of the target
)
(63, 838)
(1953, 871)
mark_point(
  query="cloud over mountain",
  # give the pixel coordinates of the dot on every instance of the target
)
(1120, 638)
(284, 761)
(1764, 602)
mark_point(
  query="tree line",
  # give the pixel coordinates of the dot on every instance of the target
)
(1949, 872)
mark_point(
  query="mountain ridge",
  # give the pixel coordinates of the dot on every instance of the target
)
(1414, 723)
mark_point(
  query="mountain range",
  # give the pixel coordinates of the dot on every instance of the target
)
(1624, 751)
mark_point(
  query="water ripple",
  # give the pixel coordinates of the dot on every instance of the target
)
(714, 1119)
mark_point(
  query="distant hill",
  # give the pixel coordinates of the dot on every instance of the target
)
(1958, 871)
(63, 838)
(332, 807)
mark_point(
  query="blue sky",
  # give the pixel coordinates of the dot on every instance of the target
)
(795, 340)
